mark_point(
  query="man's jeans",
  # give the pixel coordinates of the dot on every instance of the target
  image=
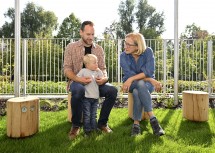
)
(90, 114)
(78, 91)
(141, 92)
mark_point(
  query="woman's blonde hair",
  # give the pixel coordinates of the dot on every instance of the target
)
(89, 57)
(139, 40)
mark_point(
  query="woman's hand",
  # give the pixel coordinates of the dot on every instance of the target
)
(157, 85)
(126, 85)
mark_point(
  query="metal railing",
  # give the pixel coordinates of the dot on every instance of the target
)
(42, 65)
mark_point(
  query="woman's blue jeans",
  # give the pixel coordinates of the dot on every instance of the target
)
(78, 91)
(141, 92)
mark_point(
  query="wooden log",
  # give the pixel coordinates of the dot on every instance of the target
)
(22, 116)
(130, 108)
(69, 116)
(195, 105)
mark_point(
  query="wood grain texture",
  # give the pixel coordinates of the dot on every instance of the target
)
(69, 116)
(195, 105)
(130, 108)
(22, 116)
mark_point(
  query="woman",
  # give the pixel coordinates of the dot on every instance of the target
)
(137, 62)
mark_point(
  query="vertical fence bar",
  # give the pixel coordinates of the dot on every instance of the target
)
(164, 64)
(210, 69)
(119, 44)
(2, 63)
(24, 69)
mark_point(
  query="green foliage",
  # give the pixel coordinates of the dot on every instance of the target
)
(45, 103)
(7, 57)
(148, 21)
(46, 87)
(167, 100)
(34, 21)
(188, 85)
(192, 60)
(45, 59)
(70, 28)
(111, 58)
(49, 105)
(35, 87)
(194, 32)
(6, 87)
(126, 13)
(4, 78)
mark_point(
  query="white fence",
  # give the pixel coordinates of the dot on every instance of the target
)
(42, 65)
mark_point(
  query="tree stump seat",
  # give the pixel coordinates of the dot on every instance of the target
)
(130, 108)
(195, 105)
(22, 116)
(69, 116)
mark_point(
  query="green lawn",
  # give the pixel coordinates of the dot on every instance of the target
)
(181, 135)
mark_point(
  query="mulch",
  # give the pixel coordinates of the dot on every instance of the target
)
(122, 103)
(2, 107)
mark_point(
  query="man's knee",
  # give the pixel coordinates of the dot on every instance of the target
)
(78, 90)
(113, 91)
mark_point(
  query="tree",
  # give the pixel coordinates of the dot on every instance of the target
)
(148, 21)
(194, 32)
(69, 28)
(127, 18)
(34, 21)
(125, 24)
(7, 30)
(114, 31)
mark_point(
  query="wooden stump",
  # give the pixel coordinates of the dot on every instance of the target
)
(69, 116)
(130, 108)
(195, 105)
(22, 116)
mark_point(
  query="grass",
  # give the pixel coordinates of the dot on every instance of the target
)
(181, 135)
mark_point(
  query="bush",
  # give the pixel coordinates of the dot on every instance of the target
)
(35, 87)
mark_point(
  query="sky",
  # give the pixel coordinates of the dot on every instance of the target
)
(104, 12)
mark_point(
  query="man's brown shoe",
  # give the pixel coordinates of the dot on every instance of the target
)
(105, 129)
(74, 132)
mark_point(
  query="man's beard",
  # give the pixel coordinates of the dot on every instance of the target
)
(87, 42)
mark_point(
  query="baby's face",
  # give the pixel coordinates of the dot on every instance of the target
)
(92, 65)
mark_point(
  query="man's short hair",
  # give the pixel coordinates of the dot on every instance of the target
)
(86, 23)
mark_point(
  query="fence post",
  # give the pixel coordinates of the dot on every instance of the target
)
(176, 52)
(17, 50)
(210, 66)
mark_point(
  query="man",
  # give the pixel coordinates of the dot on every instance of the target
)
(73, 63)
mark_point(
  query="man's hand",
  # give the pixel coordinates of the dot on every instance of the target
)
(84, 80)
(101, 81)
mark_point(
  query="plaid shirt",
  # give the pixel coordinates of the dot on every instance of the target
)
(74, 53)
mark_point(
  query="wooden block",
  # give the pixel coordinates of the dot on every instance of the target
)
(195, 105)
(130, 108)
(22, 116)
(69, 116)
